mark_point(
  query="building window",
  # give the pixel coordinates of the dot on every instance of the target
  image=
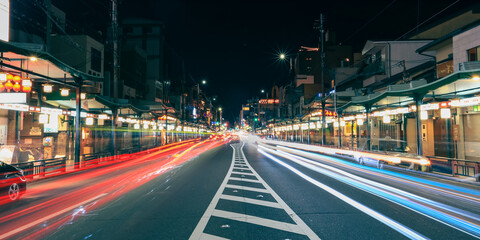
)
(473, 54)
(96, 60)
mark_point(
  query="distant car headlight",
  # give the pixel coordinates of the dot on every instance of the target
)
(424, 161)
(395, 160)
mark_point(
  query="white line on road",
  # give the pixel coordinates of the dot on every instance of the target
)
(252, 201)
(380, 217)
(198, 231)
(299, 227)
(243, 173)
(247, 188)
(244, 180)
(288, 227)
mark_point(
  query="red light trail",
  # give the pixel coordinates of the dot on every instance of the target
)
(87, 189)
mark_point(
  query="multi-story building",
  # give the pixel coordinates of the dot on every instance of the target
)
(149, 36)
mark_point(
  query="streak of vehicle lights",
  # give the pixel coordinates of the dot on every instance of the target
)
(104, 168)
(112, 188)
(440, 212)
(115, 159)
(79, 179)
(357, 154)
(380, 217)
(461, 192)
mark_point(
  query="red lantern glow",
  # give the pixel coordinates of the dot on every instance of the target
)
(16, 87)
(16, 79)
(2, 88)
(26, 89)
(8, 85)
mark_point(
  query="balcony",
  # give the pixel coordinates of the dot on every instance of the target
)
(466, 66)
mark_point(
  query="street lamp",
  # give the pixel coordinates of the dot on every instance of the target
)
(204, 82)
(220, 109)
(282, 56)
(263, 91)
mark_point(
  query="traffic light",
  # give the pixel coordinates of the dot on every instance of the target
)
(256, 119)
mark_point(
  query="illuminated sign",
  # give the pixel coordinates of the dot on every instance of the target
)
(164, 117)
(429, 106)
(13, 98)
(327, 113)
(43, 119)
(16, 107)
(89, 121)
(246, 109)
(465, 102)
(4, 19)
(445, 113)
(268, 101)
(52, 125)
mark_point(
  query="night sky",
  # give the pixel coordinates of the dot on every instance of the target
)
(234, 44)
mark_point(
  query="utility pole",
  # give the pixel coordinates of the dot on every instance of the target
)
(321, 28)
(116, 67)
(48, 6)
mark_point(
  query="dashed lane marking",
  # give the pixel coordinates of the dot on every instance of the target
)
(252, 201)
(246, 188)
(233, 182)
(244, 179)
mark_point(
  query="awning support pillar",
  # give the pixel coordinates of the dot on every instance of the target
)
(113, 137)
(78, 128)
(324, 139)
(367, 120)
(418, 102)
(339, 115)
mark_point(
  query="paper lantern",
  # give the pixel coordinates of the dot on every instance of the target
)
(16, 87)
(8, 85)
(26, 89)
(2, 88)
(64, 92)
(47, 88)
(17, 79)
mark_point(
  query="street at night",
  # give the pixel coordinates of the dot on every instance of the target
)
(158, 119)
(242, 191)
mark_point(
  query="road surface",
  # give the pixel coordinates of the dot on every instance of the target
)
(240, 190)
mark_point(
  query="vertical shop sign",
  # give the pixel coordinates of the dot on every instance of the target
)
(456, 133)
(4, 20)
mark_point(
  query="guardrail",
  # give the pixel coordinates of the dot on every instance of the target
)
(455, 166)
(95, 158)
(45, 167)
(42, 167)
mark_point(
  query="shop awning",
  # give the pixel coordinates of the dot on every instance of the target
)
(18, 57)
(458, 83)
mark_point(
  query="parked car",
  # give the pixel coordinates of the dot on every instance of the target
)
(12, 182)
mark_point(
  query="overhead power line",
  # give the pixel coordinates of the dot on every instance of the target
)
(436, 14)
(368, 22)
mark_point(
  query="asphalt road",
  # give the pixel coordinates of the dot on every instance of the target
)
(235, 191)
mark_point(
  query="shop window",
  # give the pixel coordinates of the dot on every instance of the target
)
(473, 54)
